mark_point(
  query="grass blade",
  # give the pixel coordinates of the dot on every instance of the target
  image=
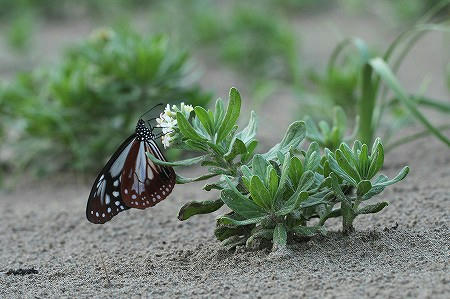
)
(383, 70)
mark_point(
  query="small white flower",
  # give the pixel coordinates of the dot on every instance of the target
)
(166, 139)
(167, 121)
(186, 108)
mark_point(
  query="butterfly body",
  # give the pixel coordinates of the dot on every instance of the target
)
(130, 179)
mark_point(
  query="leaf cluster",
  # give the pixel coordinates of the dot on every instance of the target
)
(78, 111)
(330, 136)
(274, 196)
(372, 78)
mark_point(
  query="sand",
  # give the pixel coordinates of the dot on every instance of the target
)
(401, 252)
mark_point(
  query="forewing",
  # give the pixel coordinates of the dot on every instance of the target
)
(144, 184)
(104, 200)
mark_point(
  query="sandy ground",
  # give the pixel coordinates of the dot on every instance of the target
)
(401, 252)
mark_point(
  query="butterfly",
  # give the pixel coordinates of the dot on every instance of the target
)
(130, 179)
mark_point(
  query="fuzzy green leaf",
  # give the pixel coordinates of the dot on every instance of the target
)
(249, 132)
(295, 170)
(347, 151)
(294, 135)
(402, 174)
(251, 146)
(306, 181)
(237, 148)
(219, 113)
(312, 132)
(259, 166)
(241, 204)
(334, 184)
(308, 231)
(280, 236)
(284, 176)
(186, 128)
(225, 220)
(196, 145)
(260, 195)
(246, 172)
(347, 167)
(312, 158)
(183, 180)
(372, 209)
(205, 119)
(231, 116)
(219, 185)
(187, 162)
(357, 145)
(273, 180)
(225, 232)
(233, 242)
(199, 207)
(337, 169)
(259, 234)
(292, 203)
(363, 161)
(377, 159)
(363, 187)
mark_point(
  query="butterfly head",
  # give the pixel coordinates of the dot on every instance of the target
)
(143, 132)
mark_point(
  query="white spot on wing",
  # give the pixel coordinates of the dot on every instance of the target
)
(115, 193)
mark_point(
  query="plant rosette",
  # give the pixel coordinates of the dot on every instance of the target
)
(274, 195)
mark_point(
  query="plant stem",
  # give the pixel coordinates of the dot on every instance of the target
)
(366, 106)
(347, 217)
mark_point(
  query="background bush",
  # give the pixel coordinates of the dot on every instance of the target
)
(75, 114)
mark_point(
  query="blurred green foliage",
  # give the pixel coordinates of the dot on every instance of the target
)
(57, 9)
(75, 114)
(337, 86)
(260, 43)
(20, 32)
(447, 75)
(256, 41)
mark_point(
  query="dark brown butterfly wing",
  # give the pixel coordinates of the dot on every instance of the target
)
(144, 183)
(104, 200)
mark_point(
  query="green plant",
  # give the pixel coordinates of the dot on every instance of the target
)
(332, 137)
(376, 78)
(20, 32)
(274, 195)
(253, 40)
(338, 86)
(79, 110)
(58, 9)
(357, 167)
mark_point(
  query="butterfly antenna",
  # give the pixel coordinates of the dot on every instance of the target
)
(160, 104)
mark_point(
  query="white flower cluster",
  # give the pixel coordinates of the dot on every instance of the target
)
(168, 122)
